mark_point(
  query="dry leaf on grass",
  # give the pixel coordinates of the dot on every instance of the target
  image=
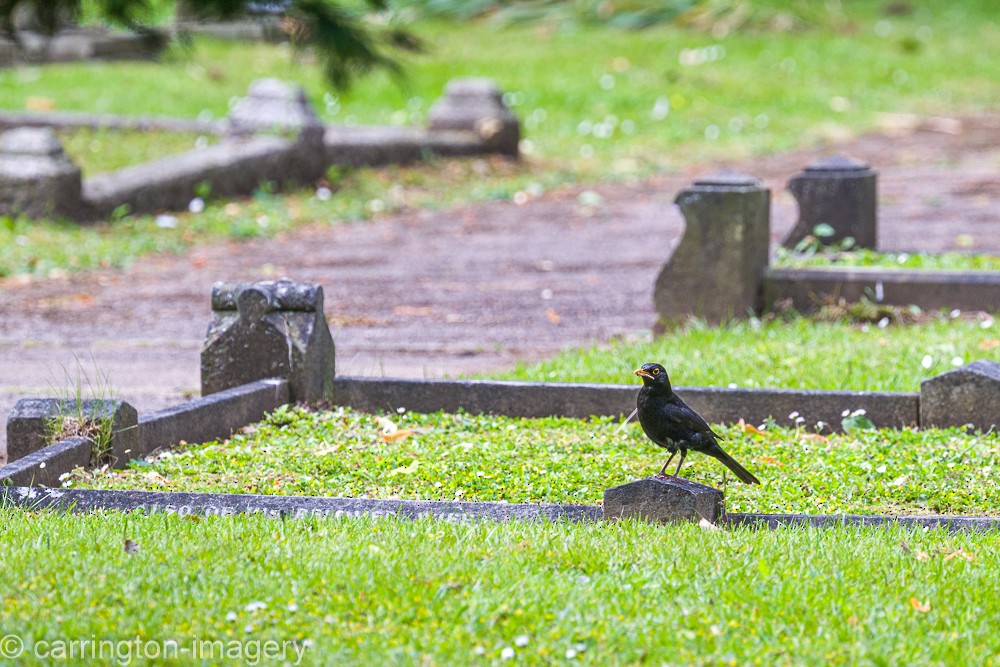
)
(919, 606)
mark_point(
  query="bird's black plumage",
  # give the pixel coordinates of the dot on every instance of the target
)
(671, 424)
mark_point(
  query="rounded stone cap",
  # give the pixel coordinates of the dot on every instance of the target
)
(838, 163)
(30, 141)
(728, 179)
(267, 296)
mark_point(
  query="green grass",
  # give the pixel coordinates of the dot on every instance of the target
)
(105, 150)
(946, 261)
(596, 103)
(800, 353)
(484, 458)
(366, 591)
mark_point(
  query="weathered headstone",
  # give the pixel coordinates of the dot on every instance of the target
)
(37, 179)
(663, 499)
(112, 426)
(265, 330)
(969, 394)
(717, 269)
(839, 192)
(476, 105)
(275, 106)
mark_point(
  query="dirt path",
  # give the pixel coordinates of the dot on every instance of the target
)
(474, 289)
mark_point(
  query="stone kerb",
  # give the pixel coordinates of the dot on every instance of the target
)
(663, 500)
(840, 192)
(32, 422)
(968, 395)
(270, 329)
(716, 271)
(37, 179)
(476, 105)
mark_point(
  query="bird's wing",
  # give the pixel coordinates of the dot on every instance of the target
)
(684, 415)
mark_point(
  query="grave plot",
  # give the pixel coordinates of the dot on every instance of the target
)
(462, 457)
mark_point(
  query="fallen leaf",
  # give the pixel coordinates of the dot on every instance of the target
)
(960, 553)
(815, 437)
(852, 620)
(34, 103)
(553, 316)
(388, 426)
(405, 470)
(397, 435)
(771, 460)
(920, 606)
(989, 344)
(748, 428)
(707, 525)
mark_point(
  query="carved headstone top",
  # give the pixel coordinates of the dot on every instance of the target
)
(728, 179)
(837, 164)
(272, 105)
(476, 105)
(270, 295)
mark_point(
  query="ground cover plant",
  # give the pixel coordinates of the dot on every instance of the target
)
(561, 460)
(366, 591)
(625, 103)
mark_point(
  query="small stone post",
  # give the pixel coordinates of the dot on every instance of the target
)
(269, 329)
(34, 422)
(663, 499)
(838, 191)
(37, 179)
(969, 394)
(272, 106)
(717, 269)
(476, 105)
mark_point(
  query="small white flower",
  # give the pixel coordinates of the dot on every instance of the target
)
(400, 410)
(845, 413)
(955, 313)
(859, 411)
(957, 361)
(570, 653)
(793, 415)
(883, 323)
(231, 616)
(292, 607)
(521, 641)
(196, 205)
(507, 653)
(986, 324)
(255, 605)
(166, 221)
(248, 628)
(323, 193)
(479, 650)
(42, 464)
(927, 361)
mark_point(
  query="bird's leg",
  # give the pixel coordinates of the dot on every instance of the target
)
(663, 470)
(680, 463)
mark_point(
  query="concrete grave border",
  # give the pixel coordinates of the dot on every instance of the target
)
(298, 507)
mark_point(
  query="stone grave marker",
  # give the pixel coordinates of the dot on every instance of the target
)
(840, 192)
(265, 330)
(717, 270)
(34, 421)
(37, 178)
(662, 499)
(969, 394)
(476, 105)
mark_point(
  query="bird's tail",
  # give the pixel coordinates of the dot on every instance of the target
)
(745, 475)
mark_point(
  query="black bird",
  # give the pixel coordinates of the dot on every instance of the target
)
(671, 424)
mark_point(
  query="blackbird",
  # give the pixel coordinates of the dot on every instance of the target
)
(671, 424)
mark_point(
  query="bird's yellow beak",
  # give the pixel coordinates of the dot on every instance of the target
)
(641, 373)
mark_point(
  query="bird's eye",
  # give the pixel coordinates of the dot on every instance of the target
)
(656, 371)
